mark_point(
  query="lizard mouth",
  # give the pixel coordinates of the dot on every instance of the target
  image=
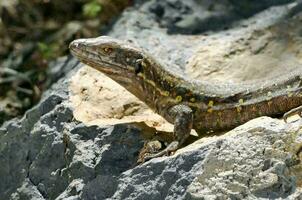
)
(113, 71)
(94, 60)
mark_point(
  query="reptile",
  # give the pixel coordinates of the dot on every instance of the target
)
(201, 105)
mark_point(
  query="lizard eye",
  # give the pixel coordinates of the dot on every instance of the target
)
(107, 50)
(138, 66)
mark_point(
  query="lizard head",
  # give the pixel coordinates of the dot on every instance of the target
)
(108, 55)
(126, 64)
(131, 67)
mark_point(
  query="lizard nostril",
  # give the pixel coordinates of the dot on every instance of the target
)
(77, 44)
(74, 45)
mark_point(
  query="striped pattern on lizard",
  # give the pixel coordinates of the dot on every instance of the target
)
(186, 103)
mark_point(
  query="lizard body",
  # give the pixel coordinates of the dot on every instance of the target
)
(186, 103)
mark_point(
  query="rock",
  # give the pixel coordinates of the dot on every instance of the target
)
(253, 161)
(195, 17)
(259, 162)
(47, 148)
(50, 154)
(56, 157)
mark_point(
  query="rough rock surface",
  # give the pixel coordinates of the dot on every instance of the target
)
(49, 154)
(194, 17)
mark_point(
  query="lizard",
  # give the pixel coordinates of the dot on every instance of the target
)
(188, 104)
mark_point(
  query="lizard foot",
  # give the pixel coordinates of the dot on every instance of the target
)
(147, 155)
(183, 122)
(150, 147)
(295, 111)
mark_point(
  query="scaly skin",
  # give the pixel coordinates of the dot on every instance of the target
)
(187, 103)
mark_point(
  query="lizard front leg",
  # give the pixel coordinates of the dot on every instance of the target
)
(183, 122)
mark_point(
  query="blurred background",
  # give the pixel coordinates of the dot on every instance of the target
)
(35, 32)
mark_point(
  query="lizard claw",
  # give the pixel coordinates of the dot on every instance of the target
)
(150, 147)
(173, 146)
(295, 111)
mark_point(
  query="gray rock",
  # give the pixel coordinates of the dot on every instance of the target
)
(48, 151)
(27, 191)
(140, 27)
(49, 155)
(195, 17)
(254, 162)
(251, 162)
